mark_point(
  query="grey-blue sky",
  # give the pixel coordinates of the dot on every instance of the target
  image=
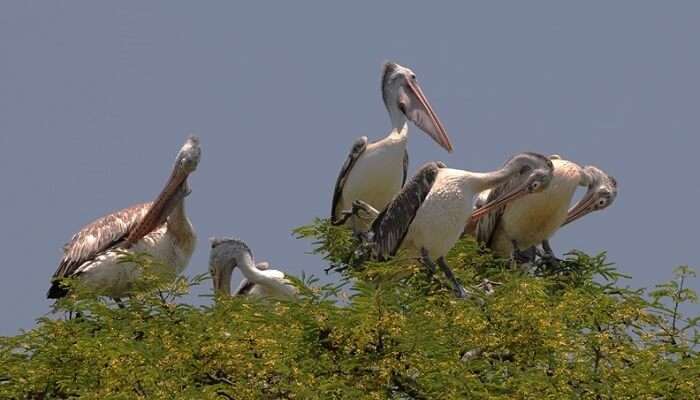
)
(96, 98)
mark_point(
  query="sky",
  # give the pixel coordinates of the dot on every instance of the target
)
(96, 98)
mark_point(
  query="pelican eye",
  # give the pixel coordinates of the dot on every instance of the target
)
(602, 202)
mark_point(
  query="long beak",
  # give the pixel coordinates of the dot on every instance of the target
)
(419, 111)
(497, 203)
(175, 189)
(579, 210)
(222, 281)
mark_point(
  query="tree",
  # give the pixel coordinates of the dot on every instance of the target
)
(385, 331)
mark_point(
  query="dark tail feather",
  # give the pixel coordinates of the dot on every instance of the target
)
(56, 291)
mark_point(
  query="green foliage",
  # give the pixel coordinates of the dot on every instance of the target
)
(386, 331)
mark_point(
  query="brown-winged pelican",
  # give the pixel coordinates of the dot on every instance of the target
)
(227, 254)
(160, 228)
(427, 216)
(374, 172)
(534, 219)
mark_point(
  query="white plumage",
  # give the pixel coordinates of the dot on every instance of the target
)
(427, 217)
(160, 229)
(374, 172)
(228, 253)
(532, 219)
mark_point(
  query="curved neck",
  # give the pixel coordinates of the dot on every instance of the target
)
(178, 222)
(251, 272)
(585, 178)
(397, 117)
(488, 180)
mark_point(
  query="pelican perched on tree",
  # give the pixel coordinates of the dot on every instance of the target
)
(160, 228)
(427, 216)
(246, 287)
(534, 219)
(227, 254)
(375, 172)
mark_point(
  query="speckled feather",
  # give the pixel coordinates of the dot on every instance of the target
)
(98, 236)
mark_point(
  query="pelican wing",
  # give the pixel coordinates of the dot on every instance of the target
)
(357, 149)
(470, 229)
(391, 225)
(244, 288)
(487, 224)
(405, 167)
(99, 236)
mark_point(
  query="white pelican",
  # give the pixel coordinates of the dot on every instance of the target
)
(160, 228)
(246, 287)
(227, 254)
(427, 216)
(601, 193)
(375, 172)
(534, 219)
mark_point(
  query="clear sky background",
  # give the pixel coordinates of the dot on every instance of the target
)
(96, 98)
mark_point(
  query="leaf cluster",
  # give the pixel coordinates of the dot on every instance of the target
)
(387, 331)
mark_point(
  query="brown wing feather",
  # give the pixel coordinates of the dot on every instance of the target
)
(391, 225)
(487, 224)
(99, 236)
(357, 149)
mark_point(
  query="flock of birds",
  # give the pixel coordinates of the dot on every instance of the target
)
(512, 210)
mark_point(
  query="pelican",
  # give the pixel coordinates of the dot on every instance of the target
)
(534, 219)
(375, 172)
(247, 287)
(160, 228)
(601, 193)
(227, 254)
(427, 216)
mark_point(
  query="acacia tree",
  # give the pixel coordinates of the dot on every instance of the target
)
(384, 331)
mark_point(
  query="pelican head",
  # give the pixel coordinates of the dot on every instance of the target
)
(188, 157)
(174, 191)
(226, 254)
(186, 162)
(404, 99)
(532, 170)
(602, 191)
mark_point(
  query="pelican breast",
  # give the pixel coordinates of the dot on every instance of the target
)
(536, 217)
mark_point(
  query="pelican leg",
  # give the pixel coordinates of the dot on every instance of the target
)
(548, 261)
(460, 292)
(345, 215)
(548, 256)
(427, 262)
(370, 213)
(359, 209)
(523, 256)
